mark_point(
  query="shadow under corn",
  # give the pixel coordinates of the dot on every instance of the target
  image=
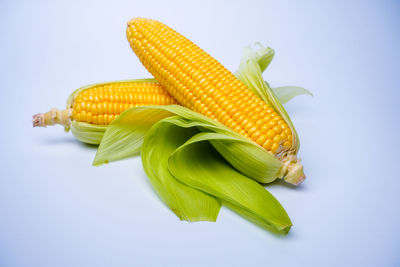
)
(67, 140)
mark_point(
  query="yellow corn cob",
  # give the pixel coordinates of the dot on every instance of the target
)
(100, 104)
(201, 83)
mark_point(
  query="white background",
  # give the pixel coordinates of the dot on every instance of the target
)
(58, 210)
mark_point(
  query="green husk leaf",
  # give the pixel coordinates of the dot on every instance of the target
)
(198, 164)
(186, 202)
(214, 177)
(263, 56)
(88, 133)
(286, 93)
(125, 135)
(259, 62)
(246, 156)
(123, 138)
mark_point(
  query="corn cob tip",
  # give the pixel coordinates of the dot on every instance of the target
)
(294, 174)
(52, 117)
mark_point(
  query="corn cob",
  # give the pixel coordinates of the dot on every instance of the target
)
(202, 84)
(99, 104)
(199, 82)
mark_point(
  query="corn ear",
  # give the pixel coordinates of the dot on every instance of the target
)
(122, 140)
(85, 132)
(250, 73)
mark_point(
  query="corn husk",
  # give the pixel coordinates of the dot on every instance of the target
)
(287, 93)
(160, 146)
(216, 177)
(187, 202)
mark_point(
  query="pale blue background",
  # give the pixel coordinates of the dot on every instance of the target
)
(58, 210)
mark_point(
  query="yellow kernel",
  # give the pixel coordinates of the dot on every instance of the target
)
(100, 109)
(270, 134)
(260, 123)
(89, 117)
(287, 144)
(252, 130)
(77, 117)
(237, 128)
(100, 119)
(110, 118)
(255, 135)
(88, 106)
(83, 115)
(272, 123)
(267, 144)
(261, 139)
(82, 105)
(277, 129)
(285, 133)
(277, 139)
(95, 110)
(274, 147)
(264, 129)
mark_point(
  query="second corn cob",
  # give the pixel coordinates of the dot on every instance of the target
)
(91, 108)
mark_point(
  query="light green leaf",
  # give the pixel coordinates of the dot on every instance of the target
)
(122, 140)
(186, 202)
(198, 164)
(246, 156)
(286, 93)
(264, 55)
(124, 136)
(88, 133)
